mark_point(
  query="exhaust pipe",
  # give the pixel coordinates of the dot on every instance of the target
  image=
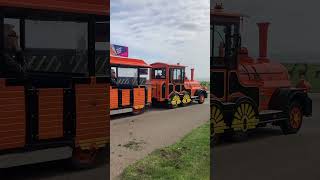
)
(263, 41)
(192, 74)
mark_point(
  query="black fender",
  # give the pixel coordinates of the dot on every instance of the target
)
(199, 91)
(238, 100)
(227, 109)
(245, 98)
(283, 97)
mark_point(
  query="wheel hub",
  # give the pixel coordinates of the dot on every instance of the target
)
(295, 117)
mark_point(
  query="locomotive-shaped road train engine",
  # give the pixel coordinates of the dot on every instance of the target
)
(245, 92)
(136, 85)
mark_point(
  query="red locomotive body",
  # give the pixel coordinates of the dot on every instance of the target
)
(245, 92)
(171, 86)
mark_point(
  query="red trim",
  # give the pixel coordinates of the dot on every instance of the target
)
(114, 60)
(98, 7)
(161, 65)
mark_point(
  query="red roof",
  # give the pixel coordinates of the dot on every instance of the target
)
(226, 14)
(99, 7)
(159, 64)
(124, 61)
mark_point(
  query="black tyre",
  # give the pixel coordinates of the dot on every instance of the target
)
(138, 111)
(201, 98)
(294, 121)
(84, 159)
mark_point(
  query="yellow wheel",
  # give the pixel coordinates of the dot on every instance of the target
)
(186, 99)
(245, 116)
(217, 122)
(175, 101)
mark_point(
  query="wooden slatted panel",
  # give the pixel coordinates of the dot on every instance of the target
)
(93, 115)
(125, 97)
(50, 113)
(149, 94)
(114, 98)
(12, 116)
(139, 97)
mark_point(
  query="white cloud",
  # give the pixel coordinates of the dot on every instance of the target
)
(161, 30)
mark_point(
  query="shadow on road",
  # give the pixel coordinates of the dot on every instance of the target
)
(256, 135)
(154, 108)
(54, 170)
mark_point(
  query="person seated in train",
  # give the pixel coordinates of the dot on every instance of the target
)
(114, 81)
(13, 62)
(158, 76)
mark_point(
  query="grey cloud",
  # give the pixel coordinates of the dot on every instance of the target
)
(164, 29)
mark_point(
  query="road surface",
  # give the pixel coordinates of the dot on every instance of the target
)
(134, 137)
(269, 154)
(57, 170)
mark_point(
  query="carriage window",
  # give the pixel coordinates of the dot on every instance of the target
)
(57, 46)
(128, 76)
(11, 33)
(159, 73)
(113, 72)
(144, 76)
(12, 49)
(102, 40)
(102, 48)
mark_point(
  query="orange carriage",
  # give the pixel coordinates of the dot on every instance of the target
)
(130, 89)
(55, 109)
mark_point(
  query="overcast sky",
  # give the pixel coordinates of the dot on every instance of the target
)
(162, 30)
(294, 31)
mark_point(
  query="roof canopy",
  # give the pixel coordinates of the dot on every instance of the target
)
(219, 15)
(159, 65)
(124, 61)
(98, 7)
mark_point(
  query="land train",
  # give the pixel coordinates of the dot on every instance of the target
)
(247, 93)
(136, 85)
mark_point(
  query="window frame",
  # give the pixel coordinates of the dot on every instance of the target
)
(31, 14)
(173, 71)
(154, 71)
(232, 42)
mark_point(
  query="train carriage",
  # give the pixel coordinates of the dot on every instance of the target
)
(130, 89)
(56, 108)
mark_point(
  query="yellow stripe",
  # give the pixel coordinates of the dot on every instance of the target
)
(239, 110)
(139, 107)
(213, 112)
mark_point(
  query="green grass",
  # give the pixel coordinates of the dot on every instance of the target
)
(187, 159)
(312, 74)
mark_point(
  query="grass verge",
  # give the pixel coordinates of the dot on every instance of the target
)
(187, 159)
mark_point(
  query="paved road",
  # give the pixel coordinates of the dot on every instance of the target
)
(134, 137)
(271, 155)
(58, 170)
